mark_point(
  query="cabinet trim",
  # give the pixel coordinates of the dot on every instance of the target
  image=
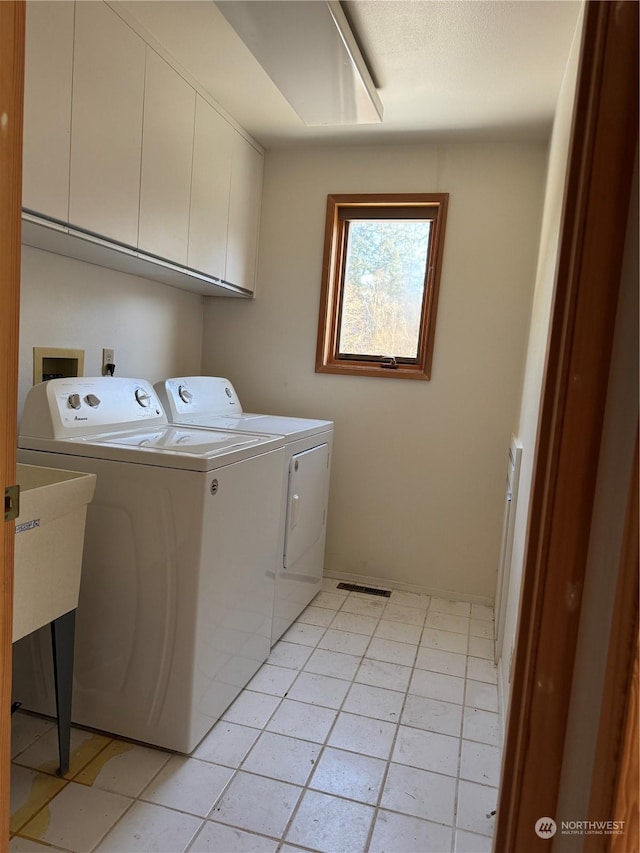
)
(80, 244)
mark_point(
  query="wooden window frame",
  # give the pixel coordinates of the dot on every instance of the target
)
(374, 206)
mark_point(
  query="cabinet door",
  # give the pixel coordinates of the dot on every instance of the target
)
(47, 107)
(210, 191)
(167, 147)
(106, 126)
(244, 213)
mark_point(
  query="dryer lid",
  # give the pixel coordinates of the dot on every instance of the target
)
(211, 401)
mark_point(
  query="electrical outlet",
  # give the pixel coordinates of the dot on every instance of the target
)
(108, 357)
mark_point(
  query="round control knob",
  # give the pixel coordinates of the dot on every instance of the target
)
(73, 401)
(185, 395)
(92, 400)
(142, 398)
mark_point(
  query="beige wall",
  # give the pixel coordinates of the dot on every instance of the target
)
(418, 469)
(537, 346)
(156, 330)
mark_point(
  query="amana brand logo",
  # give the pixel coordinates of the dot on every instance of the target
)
(546, 827)
(76, 418)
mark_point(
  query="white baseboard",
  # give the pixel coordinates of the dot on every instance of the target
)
(384, 583)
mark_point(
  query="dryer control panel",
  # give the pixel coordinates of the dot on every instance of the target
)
(198, 395)
(61, 408)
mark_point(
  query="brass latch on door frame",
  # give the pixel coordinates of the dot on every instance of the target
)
(11, 503)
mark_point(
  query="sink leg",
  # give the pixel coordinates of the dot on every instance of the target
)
(62, 638)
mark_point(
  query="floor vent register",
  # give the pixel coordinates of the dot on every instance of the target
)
(369, 590)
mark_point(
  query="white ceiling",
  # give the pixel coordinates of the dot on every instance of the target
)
(444, 68)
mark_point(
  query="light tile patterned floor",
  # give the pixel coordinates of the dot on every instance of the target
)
(372, 727)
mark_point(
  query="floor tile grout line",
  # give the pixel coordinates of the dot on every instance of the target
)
(230, 826)
(328, 736)
(387, 769)
(113, 826)
(416, 645)
(388, 760)
(454, 819)
(140, 799)
(325, 744)
(51, 726)
(193, 838)
(302, 667)
(238, 769)
(454, 816)
(262, 730)
(203, 818)
(457, 778)
(15, 759)
(457, 786)
(299, 737)
(54, 775)
(308, 784)
(326, 707)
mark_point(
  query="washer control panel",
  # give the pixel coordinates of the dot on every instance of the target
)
(61, 408)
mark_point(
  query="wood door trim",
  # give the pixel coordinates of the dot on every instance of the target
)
(626, 803)
(11, 89)
(617, 729)
(602, 148)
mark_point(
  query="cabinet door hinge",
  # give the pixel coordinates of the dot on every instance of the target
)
(11, 503)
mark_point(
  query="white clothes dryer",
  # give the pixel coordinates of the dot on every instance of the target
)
(211, 401)
(181, 545)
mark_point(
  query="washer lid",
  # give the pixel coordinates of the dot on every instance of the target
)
(200, 442)
(166, 446)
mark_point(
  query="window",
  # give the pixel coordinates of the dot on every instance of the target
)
(380, 277)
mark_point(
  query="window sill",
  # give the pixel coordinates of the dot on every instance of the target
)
(351, 369)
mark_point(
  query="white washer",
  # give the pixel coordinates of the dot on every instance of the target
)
(211, 401)
(181, 545)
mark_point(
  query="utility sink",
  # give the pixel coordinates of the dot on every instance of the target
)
(49, 544)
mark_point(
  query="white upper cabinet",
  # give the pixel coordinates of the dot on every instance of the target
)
(106, 127)
(244, 213)
(226, 191)
(167, 147)
(210, 184)
(47, 108)
(118, 145)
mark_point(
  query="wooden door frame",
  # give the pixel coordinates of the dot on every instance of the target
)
(595, 210)
(12, 17)
(614, 789)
